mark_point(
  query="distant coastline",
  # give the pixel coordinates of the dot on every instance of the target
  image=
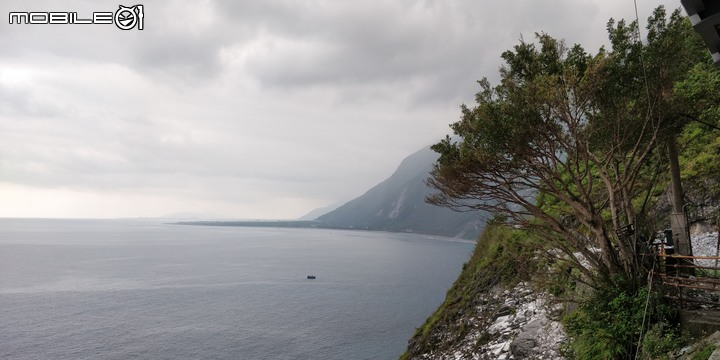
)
(311, 224)
(297, 224)
(257, 223)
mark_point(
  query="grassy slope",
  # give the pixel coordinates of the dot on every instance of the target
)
(499, 258)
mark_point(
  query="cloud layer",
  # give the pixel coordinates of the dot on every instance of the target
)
(247, 109)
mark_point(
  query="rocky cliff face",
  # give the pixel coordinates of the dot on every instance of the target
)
(515, 323)
(398, 204)
(492, 311)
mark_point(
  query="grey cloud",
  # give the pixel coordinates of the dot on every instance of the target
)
(342, 43)
(239, 100)
(194, 57)
(348, 47)
(22, 103)
(171, 44)
(442, 45)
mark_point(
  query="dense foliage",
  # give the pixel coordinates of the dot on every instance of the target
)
(609, 324)
(700, 139)
(571, 145)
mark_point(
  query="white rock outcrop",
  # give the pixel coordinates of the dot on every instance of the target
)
(705, 244)
(524, 327)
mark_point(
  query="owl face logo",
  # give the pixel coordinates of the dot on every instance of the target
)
(127, 18)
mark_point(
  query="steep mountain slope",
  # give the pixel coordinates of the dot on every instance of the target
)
(398, 204)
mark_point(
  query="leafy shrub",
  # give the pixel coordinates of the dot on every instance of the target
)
(609, 324)
(660, 340)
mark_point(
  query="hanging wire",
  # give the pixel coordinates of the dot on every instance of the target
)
(647, 92)
(645, 311)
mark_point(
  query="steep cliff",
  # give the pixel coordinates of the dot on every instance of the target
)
(492, 311)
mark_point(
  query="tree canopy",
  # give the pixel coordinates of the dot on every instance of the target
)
(567, 143)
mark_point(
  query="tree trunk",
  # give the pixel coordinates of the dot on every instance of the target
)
(679, 218)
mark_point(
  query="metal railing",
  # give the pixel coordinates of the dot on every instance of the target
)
(682, 279)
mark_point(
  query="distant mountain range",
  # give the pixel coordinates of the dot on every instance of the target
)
(398, 204)
(320, 211)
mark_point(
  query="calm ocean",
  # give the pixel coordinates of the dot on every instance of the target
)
(141, 289)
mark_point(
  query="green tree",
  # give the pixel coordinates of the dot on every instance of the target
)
(700, 139)
(566, 144)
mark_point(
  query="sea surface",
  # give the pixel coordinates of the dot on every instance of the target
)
(143, 289)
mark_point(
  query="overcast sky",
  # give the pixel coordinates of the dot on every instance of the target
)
(247, 109)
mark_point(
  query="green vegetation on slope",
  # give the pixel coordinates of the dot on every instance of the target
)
(609, 322)
(501, 257)
(700, 140)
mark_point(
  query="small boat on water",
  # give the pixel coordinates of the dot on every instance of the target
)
(311, 277)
